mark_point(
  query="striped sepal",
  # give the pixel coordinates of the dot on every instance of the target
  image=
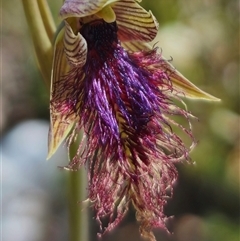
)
(136, 46)
(183, 86)
(75, 47)
(134, 22)
(59, 125)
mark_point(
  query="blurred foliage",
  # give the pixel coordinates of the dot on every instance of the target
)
(203, 39)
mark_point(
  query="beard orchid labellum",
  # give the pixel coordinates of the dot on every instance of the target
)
(108, 82)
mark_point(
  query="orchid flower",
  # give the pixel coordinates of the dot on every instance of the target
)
(110, 83)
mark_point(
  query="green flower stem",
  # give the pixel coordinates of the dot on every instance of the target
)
(40, 36)
(47, 18)
(77, 192)
(78, 216)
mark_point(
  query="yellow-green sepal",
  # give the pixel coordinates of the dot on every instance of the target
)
(60, 125)
(185, 87)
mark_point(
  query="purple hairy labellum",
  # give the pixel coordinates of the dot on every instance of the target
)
(107, 82)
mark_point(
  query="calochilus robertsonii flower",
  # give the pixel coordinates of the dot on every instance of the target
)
(108, 82)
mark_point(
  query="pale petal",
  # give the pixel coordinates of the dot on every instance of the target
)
(134, 22)
(183, 86)
(82, 8)
(75, 47)
(59, 125)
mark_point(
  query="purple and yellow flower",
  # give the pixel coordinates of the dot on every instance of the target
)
(108, 83)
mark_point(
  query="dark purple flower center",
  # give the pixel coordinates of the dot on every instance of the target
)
(100, 36)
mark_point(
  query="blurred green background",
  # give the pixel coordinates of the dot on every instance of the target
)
(203, 39)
